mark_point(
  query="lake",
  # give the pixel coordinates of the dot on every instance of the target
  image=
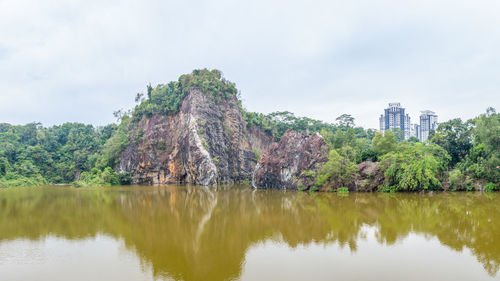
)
(236, 233)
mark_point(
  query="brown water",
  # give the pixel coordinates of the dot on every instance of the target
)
(233, 233)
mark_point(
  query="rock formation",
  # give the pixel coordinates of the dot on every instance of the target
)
(370, 176)
(283, 164)
(205, 143)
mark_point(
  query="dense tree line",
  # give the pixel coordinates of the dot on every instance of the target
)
(277, 123)
(34, 155)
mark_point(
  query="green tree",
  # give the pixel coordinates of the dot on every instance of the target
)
(414, 168)
(413, 139)
(398, 133)
(384, 143)
(4, 166)
(345, 120)
(487, 145)
(338, 171)
(455, 137)
(457, 180)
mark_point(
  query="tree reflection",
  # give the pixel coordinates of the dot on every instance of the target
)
(194, 233)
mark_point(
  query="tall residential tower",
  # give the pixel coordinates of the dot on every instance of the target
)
(394, 117)
(428, 122)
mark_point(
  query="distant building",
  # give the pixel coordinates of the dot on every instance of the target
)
(415, 131)
(394, 117)
(428, 122)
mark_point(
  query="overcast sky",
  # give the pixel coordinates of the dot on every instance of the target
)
(79, 61)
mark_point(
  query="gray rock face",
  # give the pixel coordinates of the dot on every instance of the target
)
(204, 143)
(283, 164)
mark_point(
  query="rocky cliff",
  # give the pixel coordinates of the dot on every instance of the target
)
(283, 164)
(205, 143)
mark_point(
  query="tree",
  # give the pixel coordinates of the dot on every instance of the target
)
(455, 137)
(486, 156)
(400, 134)
(4, 166)
(344, 137)
(338, 171)
(150, 90)
(413, 139)
(457, 180)
(139, 98)
(345, 120)
(414, 168)
(384, 143)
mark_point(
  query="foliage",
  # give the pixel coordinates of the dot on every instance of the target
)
(343, 190)
(13, 180)
(413, 139)
(111, 150)
(253, 119)
(388, 189)
(490, 187)
(345, 120)
(455, 137)
(338, 171)
(398, 133)
(384, 143)
(458, 181)
(167, 99)
(96, 177)
(313, 189)
(277, 123)
(33, 155)
(257, 154)
(302, 188)
(487, 145)
(413, 168)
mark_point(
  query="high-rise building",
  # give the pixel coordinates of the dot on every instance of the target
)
(428, 122)
(415, 131)
(394, 117)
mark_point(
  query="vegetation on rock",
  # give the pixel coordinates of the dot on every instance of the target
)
(166, 99)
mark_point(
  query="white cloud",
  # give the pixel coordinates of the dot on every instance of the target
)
(81, 60)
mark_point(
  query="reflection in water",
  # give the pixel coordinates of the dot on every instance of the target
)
(200, 233)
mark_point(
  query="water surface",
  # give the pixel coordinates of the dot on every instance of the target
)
(235, 233)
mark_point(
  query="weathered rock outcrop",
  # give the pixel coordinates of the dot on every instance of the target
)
(283, 164)
(205, 143)
(369, 177)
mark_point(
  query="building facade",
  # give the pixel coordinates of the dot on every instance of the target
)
(428, 122)
(415, 131)
(394, 117)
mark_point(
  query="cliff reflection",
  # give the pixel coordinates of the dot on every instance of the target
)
(194, 233)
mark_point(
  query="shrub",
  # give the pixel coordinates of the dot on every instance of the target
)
(302, 188)
(388, 189)
(343, 190)
(96, 177)
(457, 180)
(338, 170)
(257, 154)
(489, 187)
(124, 178)
(414, 167)
(314, 189)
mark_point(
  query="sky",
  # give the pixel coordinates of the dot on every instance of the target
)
(80, 60)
